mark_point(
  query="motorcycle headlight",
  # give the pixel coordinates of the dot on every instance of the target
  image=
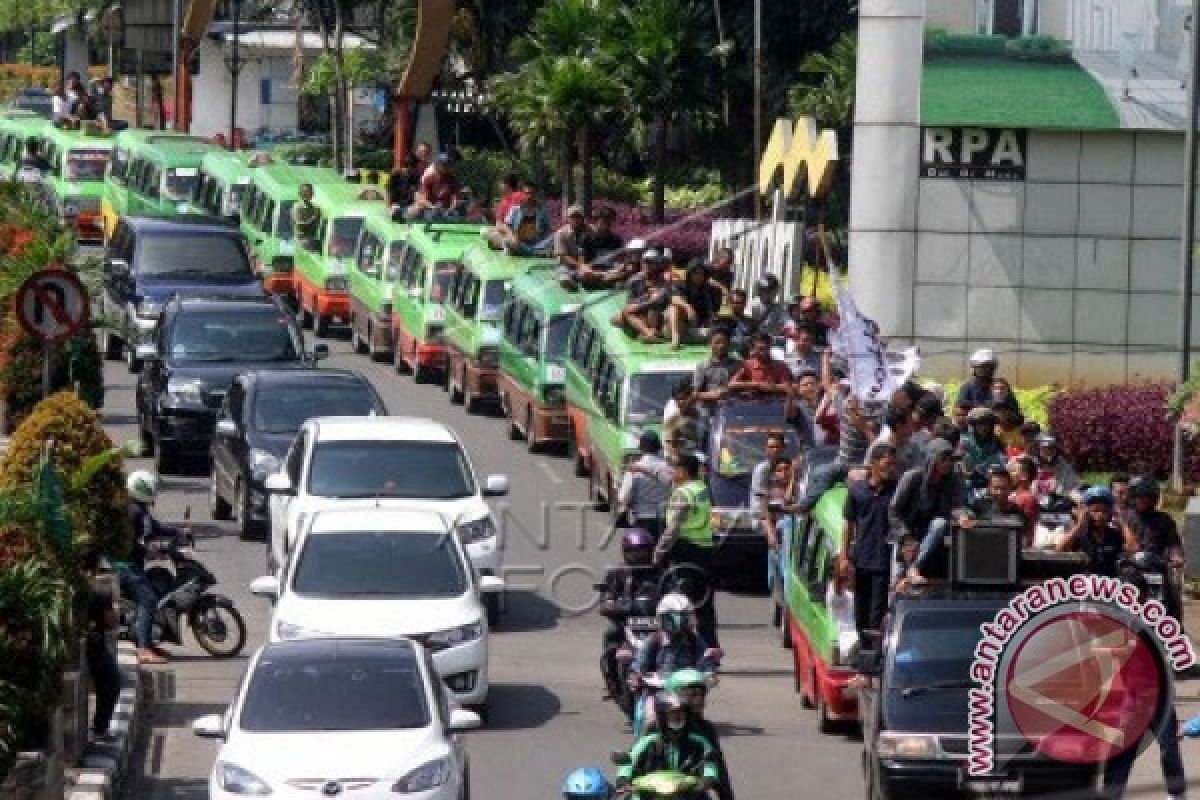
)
(452, 637)
(185, 393)
(477, 531)
(556, 396)
(336, 284)
(429, 775)
(263, 463)
(236, 780)
(905, 745)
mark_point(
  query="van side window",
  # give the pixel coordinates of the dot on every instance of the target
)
(581, 345)
(118, 166)
(510, 321)
(369, 246)
(416, 275)
(531, 330)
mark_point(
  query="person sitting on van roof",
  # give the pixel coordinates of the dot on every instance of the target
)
(568, 247)
(760, 372)
(438, 193)
(692, 308)
(306, 217)
(602, 267)
(644, 316)
(525, 231)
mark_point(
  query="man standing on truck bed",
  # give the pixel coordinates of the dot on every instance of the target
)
(865, 538)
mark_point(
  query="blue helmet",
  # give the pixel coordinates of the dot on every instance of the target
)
(1098, 494)
(587, 782)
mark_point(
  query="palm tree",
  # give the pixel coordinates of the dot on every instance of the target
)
(664, 51)
(830, 100)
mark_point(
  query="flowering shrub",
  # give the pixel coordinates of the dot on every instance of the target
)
(686, 233)
(1111, 429)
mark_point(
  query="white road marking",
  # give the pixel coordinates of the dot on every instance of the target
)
(550, 473)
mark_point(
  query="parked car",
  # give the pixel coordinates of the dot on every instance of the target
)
(151, 259)
(370, 572)
(324, 717)
(396, 461)
(259, 419)
(200, 345)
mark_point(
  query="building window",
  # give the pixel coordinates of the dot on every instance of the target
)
(1006, 17)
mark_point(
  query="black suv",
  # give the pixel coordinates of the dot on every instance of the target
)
(200, 345)
(915, 707)
(258, 421)
(150, 259)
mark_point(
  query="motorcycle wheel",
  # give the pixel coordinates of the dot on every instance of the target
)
(220, 631)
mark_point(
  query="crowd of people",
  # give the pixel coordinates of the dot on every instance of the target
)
(73, 104)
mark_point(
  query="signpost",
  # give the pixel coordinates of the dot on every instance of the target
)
(52, 306)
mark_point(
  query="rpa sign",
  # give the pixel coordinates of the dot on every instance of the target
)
(996, 154)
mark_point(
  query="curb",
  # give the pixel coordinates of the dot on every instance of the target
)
(105, 765)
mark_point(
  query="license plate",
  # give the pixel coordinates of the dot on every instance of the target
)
(641, 622)
(988, 785)
(1154, 580)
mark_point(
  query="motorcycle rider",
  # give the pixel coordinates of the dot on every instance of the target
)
(672, 747)
(623, 585)
(692, 686)
(143, 490)
(1095, 534)
(977, 391)
(586, 783)
(1157, 535)
(1055, 475)
(675, 646)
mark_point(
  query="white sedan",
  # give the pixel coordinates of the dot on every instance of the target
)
(386, 572)
(366, 718)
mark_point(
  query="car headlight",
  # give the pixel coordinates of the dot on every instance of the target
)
(477, 531)
(262, 462)
(452, 637)
(185, 393)
(286, 630)
(905, 745)
(336, 284)
(556, 396)
(429, 775)
(235, 780)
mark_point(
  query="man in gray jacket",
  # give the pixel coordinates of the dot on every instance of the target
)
(928, 500)
(646, 486)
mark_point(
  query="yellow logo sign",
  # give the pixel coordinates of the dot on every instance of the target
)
(795, 148)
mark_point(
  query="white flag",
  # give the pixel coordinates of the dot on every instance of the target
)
(857, 340)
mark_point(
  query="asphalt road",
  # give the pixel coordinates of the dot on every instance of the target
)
(547, 716)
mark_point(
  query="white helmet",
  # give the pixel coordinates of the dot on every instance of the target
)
(982, 357)
(674, 603)
(636, 245)
(142, 486)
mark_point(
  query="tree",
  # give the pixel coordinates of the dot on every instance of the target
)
(664, 50)
(830, 99)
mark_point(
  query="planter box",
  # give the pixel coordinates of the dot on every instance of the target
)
(38, 774)
(76, 683)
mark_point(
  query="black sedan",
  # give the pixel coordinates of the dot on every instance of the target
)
(258, 421)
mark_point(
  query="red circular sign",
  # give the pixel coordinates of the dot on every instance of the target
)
(1083, 687)
(52, 305)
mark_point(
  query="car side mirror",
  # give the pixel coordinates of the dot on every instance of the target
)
(279, 483)
(463, 720)
(146, 352)
(491, 584)
(210, 726)
(226, 427)
(320, 352)
(495, 486)
(265, 586)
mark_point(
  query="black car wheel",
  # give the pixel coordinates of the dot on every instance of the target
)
(111, 345)
(322, 325)
(131, 360)
(145, 442)
(166, 459)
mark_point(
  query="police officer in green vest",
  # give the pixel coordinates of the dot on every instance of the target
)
(686, 545)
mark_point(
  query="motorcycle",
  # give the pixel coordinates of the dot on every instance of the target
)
(184, 594)
(666, 785)
(636, 619)
(1055, 516)
(1163, 580)
(644, 687)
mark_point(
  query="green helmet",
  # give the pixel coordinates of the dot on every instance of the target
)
(686, 679)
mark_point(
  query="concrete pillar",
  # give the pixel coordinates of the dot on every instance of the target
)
(883, 193)
(75, 52)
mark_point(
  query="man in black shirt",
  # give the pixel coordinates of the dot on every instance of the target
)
(1095, 534)
(1157, 535)
(692, 308)
(865, 537)
(101, 663)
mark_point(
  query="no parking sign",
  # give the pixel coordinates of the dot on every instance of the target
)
(52, 305)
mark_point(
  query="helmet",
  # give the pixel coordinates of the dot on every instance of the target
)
(664, 704)
(982, 358)
(636, 245)
(637, 547)
(673, 611)
(142, 486)
(981, 416)
(587, 782)
(1145, 487)
(1098, 494)
(684, 679)
(1046, 440)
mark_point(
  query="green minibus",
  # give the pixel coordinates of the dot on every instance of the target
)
(15, 132)
(372, 276)
(74, 185)
(151, 172)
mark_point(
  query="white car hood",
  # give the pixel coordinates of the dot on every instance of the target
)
(374, 616)
(384, 756)
(471, 508)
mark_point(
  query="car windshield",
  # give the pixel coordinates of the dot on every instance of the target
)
(284, 408)
(233, 336)
(380, 563)
(494, 294)
(936, 647)
(427, 470)
(443, 276)
(334, 693)
(741, 449)
(86, 165)
(344, 236)
(214, 257)
(180, 182)
(557, 333)
(283, 228)
(649, 393)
